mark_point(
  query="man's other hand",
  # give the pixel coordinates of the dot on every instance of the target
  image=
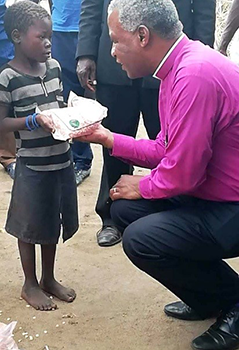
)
(86, 72)
(127, 187)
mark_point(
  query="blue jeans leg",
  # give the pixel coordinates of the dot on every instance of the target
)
(63, 49)
(82, 155)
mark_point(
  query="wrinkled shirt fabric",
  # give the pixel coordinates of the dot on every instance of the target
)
(197, 150)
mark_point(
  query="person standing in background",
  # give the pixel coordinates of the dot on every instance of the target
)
(198, 18)
(126, 98)
(232, 24)
(7, 140)
(65, 20)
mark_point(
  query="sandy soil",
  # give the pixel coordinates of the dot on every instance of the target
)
(117, 306)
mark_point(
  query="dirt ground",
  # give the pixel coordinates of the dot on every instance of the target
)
(117, 306)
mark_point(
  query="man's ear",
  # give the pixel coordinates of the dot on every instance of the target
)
(16, 36)
(143, 35)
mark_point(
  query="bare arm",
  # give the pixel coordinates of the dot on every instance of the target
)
(14, 124)
(10, 124)
(232, 24)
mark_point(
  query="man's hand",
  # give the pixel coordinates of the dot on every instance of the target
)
(100, 135)
(86, 72)
(127, 187)
(45, 122)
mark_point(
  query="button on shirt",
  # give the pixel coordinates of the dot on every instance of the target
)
(197, 150)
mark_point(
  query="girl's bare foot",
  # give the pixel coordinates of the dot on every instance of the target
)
(53, 287)
(35, 297)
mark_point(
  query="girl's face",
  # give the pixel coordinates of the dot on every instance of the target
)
(35, 44)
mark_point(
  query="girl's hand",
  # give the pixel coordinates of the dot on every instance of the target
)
(45, 122)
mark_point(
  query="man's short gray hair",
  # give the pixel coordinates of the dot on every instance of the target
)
(159, 15)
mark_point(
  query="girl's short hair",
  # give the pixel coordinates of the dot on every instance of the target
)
(22, 15)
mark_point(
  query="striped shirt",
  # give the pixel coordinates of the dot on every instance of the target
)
(23, 93)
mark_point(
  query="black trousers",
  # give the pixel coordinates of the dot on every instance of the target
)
(124, 103)
(177, 242)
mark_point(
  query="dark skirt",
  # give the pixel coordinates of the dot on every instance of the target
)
(43, 204)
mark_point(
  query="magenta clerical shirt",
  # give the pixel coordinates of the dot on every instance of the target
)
(197, 150)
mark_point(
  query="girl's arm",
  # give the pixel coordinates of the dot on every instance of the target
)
(25, 123)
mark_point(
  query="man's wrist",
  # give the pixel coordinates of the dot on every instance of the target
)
(109, 141)
(86, 57)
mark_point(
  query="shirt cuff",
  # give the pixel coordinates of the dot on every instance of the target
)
(145, 187)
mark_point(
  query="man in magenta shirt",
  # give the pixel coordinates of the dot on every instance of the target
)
(182, 219)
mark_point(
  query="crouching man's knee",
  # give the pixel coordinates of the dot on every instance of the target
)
(133, 244)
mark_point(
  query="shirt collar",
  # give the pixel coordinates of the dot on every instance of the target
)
(167, 62)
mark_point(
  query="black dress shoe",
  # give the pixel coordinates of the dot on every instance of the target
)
(181, 311)
(222, 335)
(108, 236)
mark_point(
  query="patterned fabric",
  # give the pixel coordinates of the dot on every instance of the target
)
(23, 94)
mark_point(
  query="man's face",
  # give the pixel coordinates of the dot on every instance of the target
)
(126, 48)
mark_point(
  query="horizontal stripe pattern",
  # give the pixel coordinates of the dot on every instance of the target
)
(34, 161)
(52, 150)
(51, 167)
(36, 89)
(24, 94)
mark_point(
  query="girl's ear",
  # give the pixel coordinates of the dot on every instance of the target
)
(16, 36)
